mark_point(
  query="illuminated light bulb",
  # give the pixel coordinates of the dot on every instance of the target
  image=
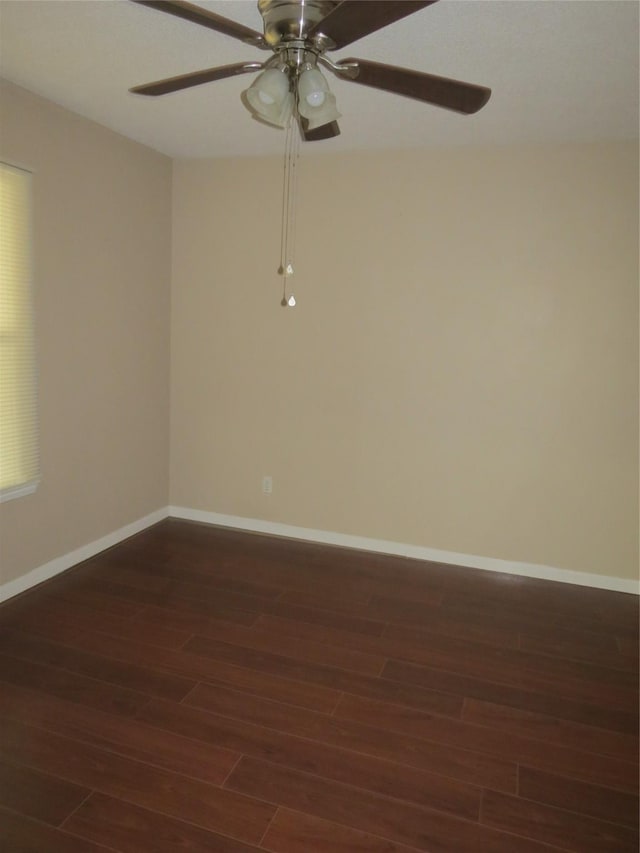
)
(315, 99)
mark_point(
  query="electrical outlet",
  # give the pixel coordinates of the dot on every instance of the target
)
(267, 485)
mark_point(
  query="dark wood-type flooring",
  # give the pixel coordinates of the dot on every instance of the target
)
(210, 691)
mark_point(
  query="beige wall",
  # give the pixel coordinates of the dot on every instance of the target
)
(102, 218)
(461, 371)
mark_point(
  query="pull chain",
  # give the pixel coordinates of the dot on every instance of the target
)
(289, 193)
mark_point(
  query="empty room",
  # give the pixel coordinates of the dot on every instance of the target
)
(319, 434)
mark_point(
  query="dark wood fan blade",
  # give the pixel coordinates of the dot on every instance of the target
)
(353, 19)
(440, 91)
(325, 131)
(195, 78)
(201, 16)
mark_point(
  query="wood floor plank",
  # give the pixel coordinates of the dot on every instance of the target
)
(527, 616)
(189, 621)
(90, 598)
(84, 586)
(60, 609)
(180, 754)
(571, 679)
(390, 608)
(329, 618)
(301, 629)
(342, 764)
(337, 679)
(228, 598)
(628, 646)
(306, 649)
(214, 604)
(590, 646)
(38, 795)
(568, 830)
(175, 795)
(20, 834)
(594, 800)
(358, 604)
(506, 745)
(131, 829)
(327, 600)
(463, 656)
(301, 693)
(448, 761)
(392, 819)
(71, 686)
(552, 730)
(294, 832)
(438, 622)
(539, 596)
(221, 578)
(121, 572)
(136, 629)
(120, 650)
(387, 645)
(204, 668)
(74, 625)
(624, 719)
(194, 584)
(32, 648)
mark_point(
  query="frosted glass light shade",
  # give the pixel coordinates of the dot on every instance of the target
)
(315, 101)
(269, 97)
(312, 88)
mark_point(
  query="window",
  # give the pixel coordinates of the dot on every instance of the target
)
(18, 419)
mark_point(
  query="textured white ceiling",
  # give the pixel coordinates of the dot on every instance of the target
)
(560, 70)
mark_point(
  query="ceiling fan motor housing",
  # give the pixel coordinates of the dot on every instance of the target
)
(285, 20)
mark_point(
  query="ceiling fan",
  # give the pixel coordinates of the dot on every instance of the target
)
(299, 33)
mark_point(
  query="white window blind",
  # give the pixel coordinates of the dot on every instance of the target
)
(18, 415)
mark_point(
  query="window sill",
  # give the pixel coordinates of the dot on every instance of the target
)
(22, 491)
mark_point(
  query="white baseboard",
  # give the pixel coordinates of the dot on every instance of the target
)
(418, 552)
(325, 537)
(66, 561)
